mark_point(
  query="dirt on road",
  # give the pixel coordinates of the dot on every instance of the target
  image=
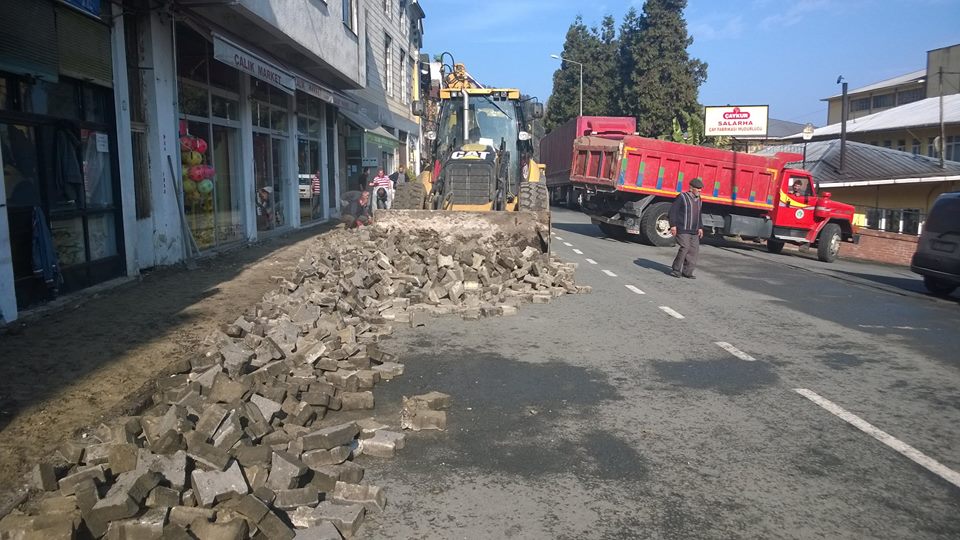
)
(90, 361)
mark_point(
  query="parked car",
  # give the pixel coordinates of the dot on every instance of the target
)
(938, 253)
(305, 192)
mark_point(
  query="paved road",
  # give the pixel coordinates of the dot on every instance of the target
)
(607, 416)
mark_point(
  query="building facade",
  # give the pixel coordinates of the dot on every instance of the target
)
(138, 134)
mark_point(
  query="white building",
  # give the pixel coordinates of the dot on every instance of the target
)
(136, 134)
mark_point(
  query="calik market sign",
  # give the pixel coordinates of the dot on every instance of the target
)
(736, 121)
(232, 55)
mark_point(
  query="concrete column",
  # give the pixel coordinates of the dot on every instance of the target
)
(128, 205)
(160, 238)
(324, 165)
(247, 180)
(8, 294)
(292, 170)
(336, 168)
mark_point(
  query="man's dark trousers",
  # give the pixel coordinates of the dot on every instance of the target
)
(686, 260)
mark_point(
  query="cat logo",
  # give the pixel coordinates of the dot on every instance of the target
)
(469, 155)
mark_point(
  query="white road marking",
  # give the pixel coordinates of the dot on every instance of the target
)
(671, 312)
(558, 238)
(591, 261)
(568, 244)
(903, 448)
(892, 327)
(634, 289)
(735, 351)
(609, 273)
(578, 252)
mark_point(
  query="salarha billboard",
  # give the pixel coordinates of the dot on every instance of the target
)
(736, 121)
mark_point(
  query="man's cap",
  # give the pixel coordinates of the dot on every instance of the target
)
(697, 183)
(268, 189)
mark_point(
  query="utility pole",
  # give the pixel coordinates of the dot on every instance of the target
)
(943, 138)
(843, 124)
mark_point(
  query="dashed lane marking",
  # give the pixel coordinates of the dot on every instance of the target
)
(634, 289)
(558, 238)
(591, 261)
(735, 351)
(903, 448)
(568, 244)
(669, 311)
(578, 252)
(609, 273)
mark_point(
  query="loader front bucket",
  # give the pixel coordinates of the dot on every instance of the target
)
(518, 229)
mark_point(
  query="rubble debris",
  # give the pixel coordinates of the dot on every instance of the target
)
(246, 439)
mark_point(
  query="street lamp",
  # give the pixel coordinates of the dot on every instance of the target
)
(558, 57)
(807, 135)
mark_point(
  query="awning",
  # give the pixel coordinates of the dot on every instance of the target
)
(317, 90)
(236, 56)
(361, 120)
(375, 133)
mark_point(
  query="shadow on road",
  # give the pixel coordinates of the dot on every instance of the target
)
(586, 229)
(652, 265)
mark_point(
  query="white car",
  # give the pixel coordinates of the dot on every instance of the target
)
(305, 180)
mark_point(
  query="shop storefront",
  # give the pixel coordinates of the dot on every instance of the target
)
(59, 151)
(368, 146)
(310, 128)
(209, 129)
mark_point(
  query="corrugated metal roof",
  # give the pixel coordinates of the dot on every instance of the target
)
(777, 129)
(899, 79)
(925, 112)
(865, 163)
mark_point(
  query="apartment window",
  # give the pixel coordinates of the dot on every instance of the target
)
(403, 76)
(862, 104)
(901, 145)
(931, 148)
(952, 150)
(909, 96)
(388, 64)
(350, 14)
(888, 144)
(916, 147)
(874, 143)
(386, 9)
(882, 102)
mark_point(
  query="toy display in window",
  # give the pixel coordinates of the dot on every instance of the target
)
(197, 188)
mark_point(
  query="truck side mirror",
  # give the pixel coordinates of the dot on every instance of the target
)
(417, 108)
(537, 110)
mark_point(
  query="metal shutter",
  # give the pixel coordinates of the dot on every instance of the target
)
(28, 38)
(84, 47)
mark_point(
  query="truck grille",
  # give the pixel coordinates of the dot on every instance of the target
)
(471, 183)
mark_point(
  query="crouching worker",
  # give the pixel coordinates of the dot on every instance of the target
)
(355, 209)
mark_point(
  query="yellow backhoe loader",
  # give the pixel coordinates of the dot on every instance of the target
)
(484, 180)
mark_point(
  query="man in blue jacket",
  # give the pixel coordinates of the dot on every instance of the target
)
(687, 226)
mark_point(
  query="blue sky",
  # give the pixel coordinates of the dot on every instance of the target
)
(784, 53)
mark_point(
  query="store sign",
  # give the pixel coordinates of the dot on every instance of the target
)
(380, 140)
(247, 62)
(736, 121)
(309, 87)
(90, 7)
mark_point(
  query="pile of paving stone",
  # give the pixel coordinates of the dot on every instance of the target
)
(253, 437)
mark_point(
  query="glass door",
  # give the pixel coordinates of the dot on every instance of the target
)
(268, 169)
(310, 196)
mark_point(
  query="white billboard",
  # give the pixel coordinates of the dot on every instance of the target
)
(736, 121)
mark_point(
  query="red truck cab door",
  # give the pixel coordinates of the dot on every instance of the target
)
(798, 199)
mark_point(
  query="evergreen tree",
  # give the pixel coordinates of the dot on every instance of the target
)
(564, 102)
(600, 79)
(659, 78)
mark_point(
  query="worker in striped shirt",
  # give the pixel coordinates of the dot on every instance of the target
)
(315, 195)
(382, 181)
(686, 226)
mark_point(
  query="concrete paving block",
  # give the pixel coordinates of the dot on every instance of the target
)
(285, 471)
(315, 398)
(236, 358)
(314, 352)
(252, 508)
(229, 432)
(148, 526)
(324, 530)
(368, 378)
(97, 454)
(389, 370)
(185, 515)
(172, 467)
(345, 380)
(349, 471)
(274, 528)
(206, 455)
(162, 497)
(431, 400)
(315, 459)
(346, 517)
(369, 427)
(168, 443)
(122, 458)
(69, 482)
(267, 407)
(87, 495)
(354, 401)
(383, 444)
(210, 420)
(226, 390)
(288, 499)
(373, 498)
(253, 455)
(421, 419)
(330, 437)
(214, 486)
(43, 477)
(115, 505)
(230, 530)
(137, 484)
(55, 504)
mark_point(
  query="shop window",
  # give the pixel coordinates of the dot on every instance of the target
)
(194, 99)
(909, 96)
(862, 104)
(52, 99)
(97, 177)
(883, 102)
(192, 54)
(224, 76)
(141, 175)
(225, 107)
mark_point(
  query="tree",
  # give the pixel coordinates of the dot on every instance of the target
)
(564, 102)
(600, 80)
(659, 78)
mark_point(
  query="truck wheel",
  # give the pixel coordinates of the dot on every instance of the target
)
(534, 196)
(410, 196)
(655, 225)
(775, 246)
(828, 246)
(938, 286)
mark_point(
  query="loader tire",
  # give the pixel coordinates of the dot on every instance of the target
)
(654, 227)
(534, 196)
(409, 196)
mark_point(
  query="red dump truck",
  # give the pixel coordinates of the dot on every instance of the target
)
(629, 183)
(556, 156)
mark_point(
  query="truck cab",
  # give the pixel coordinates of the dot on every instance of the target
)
(804, 215)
